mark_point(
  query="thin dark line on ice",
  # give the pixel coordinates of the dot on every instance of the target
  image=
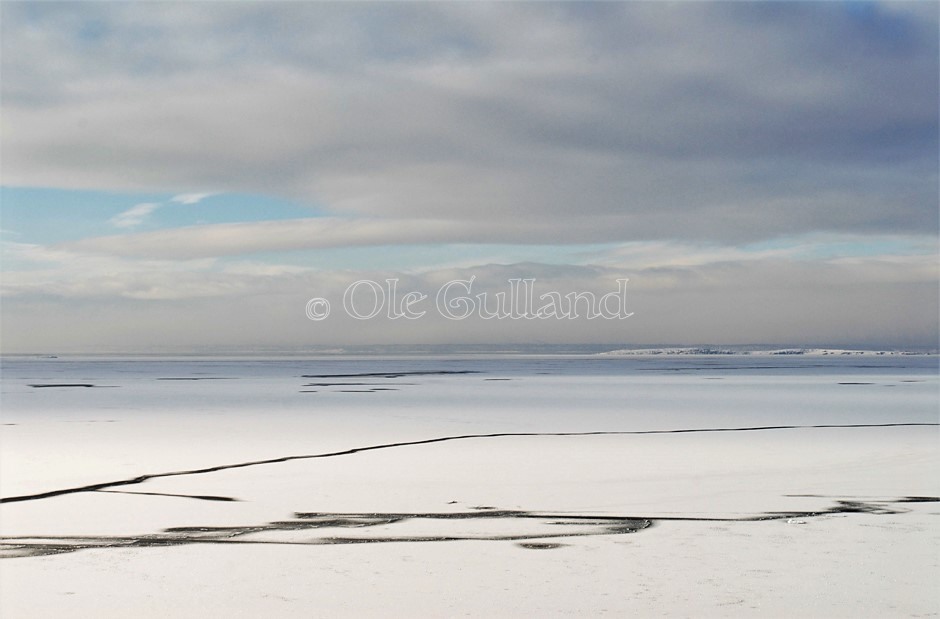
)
(429, 441)
(390, 374)
(202, 497)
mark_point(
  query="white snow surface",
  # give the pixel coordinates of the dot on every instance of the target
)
(728, 502)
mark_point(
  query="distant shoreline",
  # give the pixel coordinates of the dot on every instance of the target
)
(573, 351)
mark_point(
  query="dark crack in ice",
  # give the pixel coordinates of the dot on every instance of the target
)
(391, 374)
(527, 529)
(430, 441)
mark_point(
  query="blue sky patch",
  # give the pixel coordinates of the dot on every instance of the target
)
(44, 216)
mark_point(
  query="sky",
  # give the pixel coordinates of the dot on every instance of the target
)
(187, 176)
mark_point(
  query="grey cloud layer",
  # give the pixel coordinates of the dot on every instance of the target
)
(729, 121)
(869, 302)
(75, 301)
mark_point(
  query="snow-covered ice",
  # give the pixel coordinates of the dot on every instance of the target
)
(481, 486)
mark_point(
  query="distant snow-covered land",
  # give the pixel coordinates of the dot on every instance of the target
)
(809, 352)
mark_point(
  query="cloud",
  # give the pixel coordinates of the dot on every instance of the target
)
(627, 121)
(252, 237)
(874, 300)
(135, 215)
(38, 271)
(192, 198)
(698, 139)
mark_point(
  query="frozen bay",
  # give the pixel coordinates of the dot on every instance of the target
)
(706, 485)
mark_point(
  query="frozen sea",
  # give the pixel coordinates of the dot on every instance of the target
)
(470, 485)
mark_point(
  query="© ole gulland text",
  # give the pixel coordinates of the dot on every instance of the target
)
(366, 299)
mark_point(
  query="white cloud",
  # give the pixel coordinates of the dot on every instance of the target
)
(138, 214)
(134, 216)
(34, 270)
(251, 237)
(192, 198)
